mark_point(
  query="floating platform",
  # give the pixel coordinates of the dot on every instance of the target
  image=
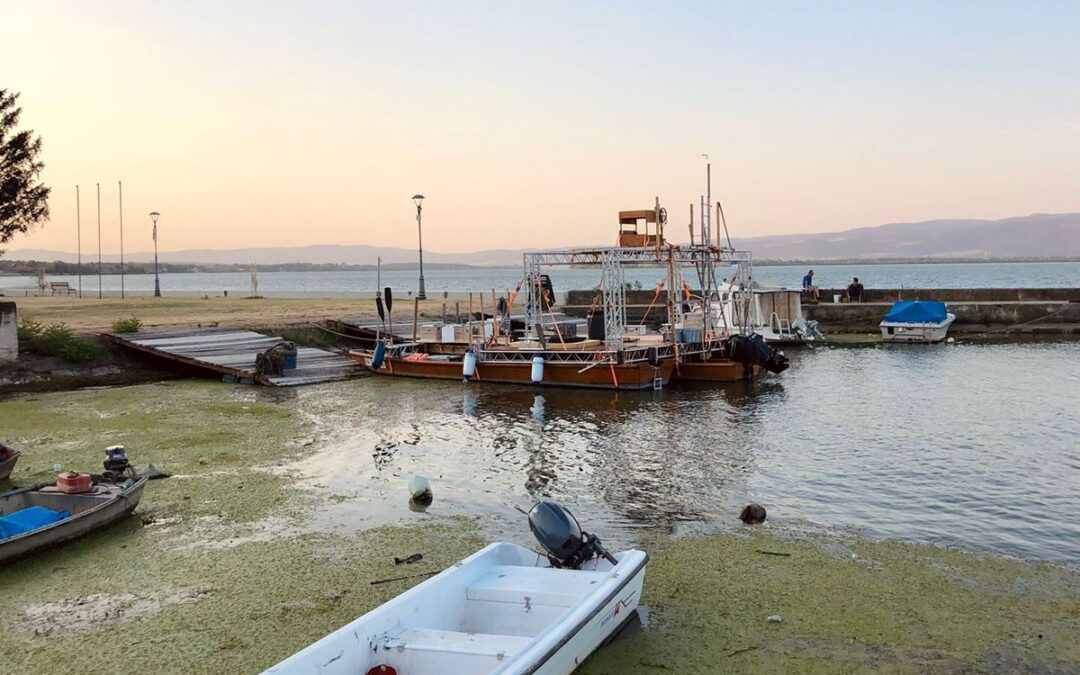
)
(232, 353)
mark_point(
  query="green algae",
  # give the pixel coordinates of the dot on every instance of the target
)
(873, 607)
(217, 572)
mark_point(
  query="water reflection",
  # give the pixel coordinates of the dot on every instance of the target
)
(917, 444)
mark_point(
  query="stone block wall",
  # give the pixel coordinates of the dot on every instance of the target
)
(9, 335)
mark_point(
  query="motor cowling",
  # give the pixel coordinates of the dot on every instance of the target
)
(751, 350)
(559, 533)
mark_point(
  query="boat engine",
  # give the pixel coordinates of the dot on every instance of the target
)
(751, 350)
(560, 535)
(116, 463)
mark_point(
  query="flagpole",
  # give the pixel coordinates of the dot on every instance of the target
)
(78, 231)
(99, 241)
(120, 185)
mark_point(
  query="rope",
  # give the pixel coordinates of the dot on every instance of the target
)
(1007, 329)
(333, 332)
(659, 289)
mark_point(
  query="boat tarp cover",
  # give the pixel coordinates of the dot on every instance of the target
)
(917, 311)
(28, 520)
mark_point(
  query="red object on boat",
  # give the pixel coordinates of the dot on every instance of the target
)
(73, 482)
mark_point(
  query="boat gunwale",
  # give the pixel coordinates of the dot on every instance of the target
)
(598, 607)
(9, 463)
(123, 495)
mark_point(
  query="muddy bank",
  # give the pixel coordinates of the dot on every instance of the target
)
(844, 604)
(31, 373)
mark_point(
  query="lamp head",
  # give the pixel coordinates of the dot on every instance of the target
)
(154, 215)
(418, 199)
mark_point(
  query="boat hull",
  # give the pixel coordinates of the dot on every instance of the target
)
(715, 370)
(8, 465)
(604, 376)
(500, 611)
(108, 513)
(893, 331)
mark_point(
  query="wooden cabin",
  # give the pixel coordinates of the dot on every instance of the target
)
(634, 229)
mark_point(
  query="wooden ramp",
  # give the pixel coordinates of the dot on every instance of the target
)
(232, 354)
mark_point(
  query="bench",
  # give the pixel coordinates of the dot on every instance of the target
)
(61, 288)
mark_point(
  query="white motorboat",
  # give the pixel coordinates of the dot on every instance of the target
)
(916, 321)
(778, 317)
(505, 609)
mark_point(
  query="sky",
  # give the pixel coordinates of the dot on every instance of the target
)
(531, 124)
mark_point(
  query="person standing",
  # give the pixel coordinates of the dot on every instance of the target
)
(810, 287)
(855, 291)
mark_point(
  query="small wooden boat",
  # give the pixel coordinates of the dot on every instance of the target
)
(105, 504)
(504, 610)
(498, 366)
(8, 457)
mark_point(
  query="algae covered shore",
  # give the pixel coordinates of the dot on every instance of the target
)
(220, 570)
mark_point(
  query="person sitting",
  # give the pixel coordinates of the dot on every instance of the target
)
(808, 286)
(855, 291)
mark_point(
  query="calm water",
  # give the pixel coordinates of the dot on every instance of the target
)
(968, 445)
(945, 275)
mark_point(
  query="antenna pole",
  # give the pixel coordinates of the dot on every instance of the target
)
(708, 191)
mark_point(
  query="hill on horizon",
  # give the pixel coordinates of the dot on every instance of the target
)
(1033, 236)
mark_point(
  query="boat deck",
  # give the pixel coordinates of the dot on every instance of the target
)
(232, 353)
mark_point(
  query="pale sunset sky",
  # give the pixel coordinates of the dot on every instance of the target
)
(530, 124)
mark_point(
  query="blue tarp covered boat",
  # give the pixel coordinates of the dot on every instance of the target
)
(917, 311)
(916, 321)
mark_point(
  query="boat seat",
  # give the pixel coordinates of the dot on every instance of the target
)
(534, 585)
(455, 642)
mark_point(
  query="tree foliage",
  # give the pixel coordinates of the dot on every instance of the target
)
(24, 200)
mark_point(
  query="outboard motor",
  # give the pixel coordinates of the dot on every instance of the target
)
(751, 350)
(560, 535)
(116, 463)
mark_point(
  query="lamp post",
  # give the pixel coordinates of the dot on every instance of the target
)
(154, 215)
(419, 199)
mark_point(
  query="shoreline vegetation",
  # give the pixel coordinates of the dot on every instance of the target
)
(225, 564)
(32, 267)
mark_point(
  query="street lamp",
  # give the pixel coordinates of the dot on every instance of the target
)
(154, 215)
(419, 199)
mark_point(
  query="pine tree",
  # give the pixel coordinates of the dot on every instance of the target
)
(24, 200)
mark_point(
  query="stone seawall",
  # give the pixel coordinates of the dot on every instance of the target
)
(1047, 311)
(1034, 318)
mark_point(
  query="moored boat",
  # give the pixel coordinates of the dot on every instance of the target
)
(8, 457)
(916, 321)
(42, 516)
(505, 609)
(563, 369)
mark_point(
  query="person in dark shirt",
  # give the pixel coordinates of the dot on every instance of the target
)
(855, 291)
(808, 286)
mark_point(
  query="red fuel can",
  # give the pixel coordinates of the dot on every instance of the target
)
(73, 482)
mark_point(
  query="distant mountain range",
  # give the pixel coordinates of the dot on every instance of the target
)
(1035, 236)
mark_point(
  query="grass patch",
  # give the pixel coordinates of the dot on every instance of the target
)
(58, 340)
(132, 325)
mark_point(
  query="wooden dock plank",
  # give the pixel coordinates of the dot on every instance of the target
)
(233, 353)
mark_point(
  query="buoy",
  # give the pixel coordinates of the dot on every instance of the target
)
(753, 514)
(468, 365)
(538, 369)
(420, 490)
(379, 356)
